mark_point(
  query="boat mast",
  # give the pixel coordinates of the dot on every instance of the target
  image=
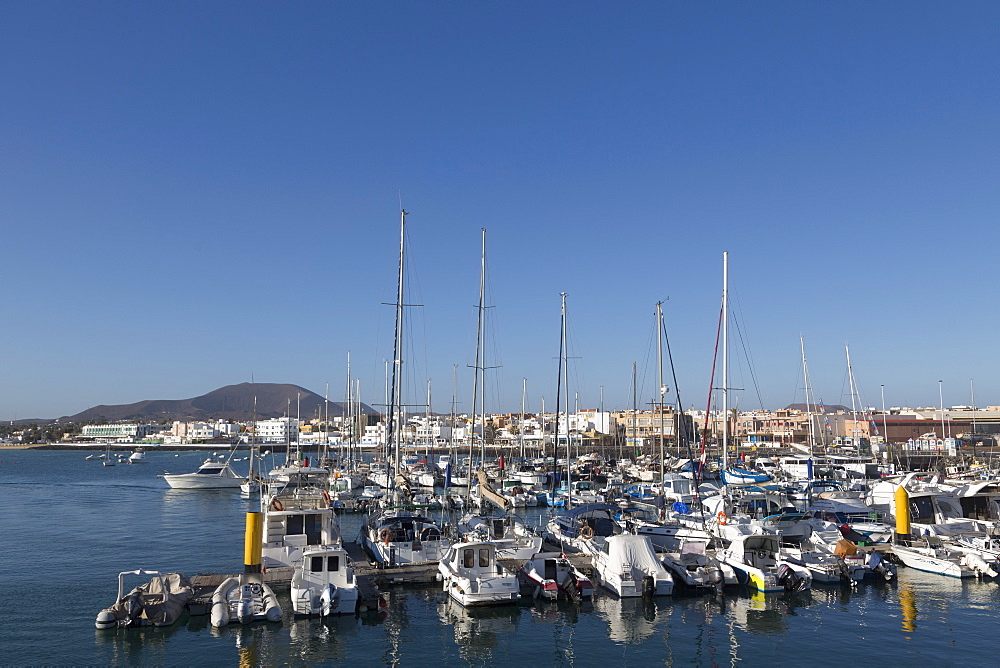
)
(478, 366)
(853, 389)
(663, 389)
(391, 433)
(809, 406)
(564, 347)
(725, 359)
(520, 431)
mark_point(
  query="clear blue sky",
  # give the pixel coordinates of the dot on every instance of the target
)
(197, 193)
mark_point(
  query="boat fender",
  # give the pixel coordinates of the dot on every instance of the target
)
(722, 518)
(276, 504)
(220, 602)
(586, 533)
(326, 497)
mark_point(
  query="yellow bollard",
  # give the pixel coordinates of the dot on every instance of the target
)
(902, 516)
(252, 545)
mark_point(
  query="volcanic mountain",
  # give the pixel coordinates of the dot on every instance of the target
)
(232, 402)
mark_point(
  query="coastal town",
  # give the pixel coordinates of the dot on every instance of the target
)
(836, 427)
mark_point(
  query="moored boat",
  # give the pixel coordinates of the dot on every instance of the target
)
(159, 602)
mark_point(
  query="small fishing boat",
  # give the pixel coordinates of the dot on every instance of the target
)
(159, 602)
(550, 575)
(738, 476)
(473, 577)
(324, 583)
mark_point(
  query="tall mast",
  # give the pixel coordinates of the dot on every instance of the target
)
(391, 437)
(659, 370)
(725, 359)
(563, 347)
(520, 430)
(478, 366)
(854, 414)
(635, 411)
(809, 410)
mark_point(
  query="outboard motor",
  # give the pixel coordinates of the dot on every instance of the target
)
(788, 579)
(648, 586)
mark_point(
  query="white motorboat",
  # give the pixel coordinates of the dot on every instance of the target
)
(159, 602)
(297, 517)
(550, 575)
(473, 577)
(933, 556)
(825, 567)
(695, 567)
(512, 539)
(137, 457)
(213, 474)
(758, 563)
(324, 583)
(628, 566)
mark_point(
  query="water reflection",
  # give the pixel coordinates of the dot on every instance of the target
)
(908, 604)
(478, 631)
(631, 620)
(138, 645)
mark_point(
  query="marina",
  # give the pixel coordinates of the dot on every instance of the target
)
(120, 518)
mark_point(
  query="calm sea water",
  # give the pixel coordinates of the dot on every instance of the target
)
(71, 525)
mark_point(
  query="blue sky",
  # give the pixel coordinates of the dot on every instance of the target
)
(197, 194)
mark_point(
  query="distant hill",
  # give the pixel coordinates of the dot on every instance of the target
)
(233, 402)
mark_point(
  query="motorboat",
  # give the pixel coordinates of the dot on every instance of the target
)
(627, 565)
(324, 583)
(695, 567)
(759, 564)
(827, 568)
(472, 575)
(297, 517)
(244, 599)
(933, 556)
(159, 602)
(400, 536)
(644, 520)
(137, 457)
(213, 474)
(513, 540)
(550, 575)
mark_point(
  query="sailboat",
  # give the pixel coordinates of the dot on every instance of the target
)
(398, 534)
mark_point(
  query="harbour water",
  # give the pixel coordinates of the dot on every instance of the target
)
(71, 525)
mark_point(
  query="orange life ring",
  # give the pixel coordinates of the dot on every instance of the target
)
(587, 533)
(722, 517)
(276, 504)
(386, 535)
(326, 497)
